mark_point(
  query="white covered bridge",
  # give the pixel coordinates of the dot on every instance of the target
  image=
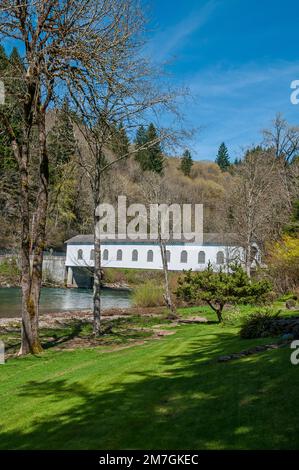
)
(217, 249)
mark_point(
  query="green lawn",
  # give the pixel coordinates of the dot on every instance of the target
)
(164, 394)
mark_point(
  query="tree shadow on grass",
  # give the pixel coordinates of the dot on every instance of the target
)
(75, 328)
(182, 402)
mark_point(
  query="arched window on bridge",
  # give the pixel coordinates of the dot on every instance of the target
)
(80, 254)
(201, 257)
(92, 256)
(220, 257)
(119, 255)
(184, 256)
(134, 255)
(105, 255)
(150, 256)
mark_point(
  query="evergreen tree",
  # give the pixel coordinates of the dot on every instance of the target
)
(292, 227)
(4, 61)
(222, 158)
(217, 288)
(61, 138)
(186, 163)
(150, 158)
(4, 144)
(63, 181)
(15, 59)
(155, 160)
(140, 140)
(9, 175)
(119, 141)
(15, 87)
(10, 70)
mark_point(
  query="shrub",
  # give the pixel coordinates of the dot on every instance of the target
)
(260, 324)
(283, 264)
(10, 271)
(9, 267)
(233, 316)
(148, 295)
(220, 288)
(132, 277)
(288, 296)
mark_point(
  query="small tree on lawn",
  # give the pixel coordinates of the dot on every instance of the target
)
(220, 288)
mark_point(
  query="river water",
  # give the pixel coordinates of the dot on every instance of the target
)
(57, 300)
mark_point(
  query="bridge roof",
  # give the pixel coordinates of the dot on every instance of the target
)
(227, 239)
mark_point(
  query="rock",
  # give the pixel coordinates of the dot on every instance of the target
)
(291, 304)
(193, 320)
(287, 337)
(224, 358)
(260, 348)
(236, 356)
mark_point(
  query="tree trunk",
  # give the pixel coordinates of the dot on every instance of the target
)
(217, 310)
(97, 286)
(219, 316)
(32, 275)
(97, 279)
(167, 295)
(248, 259)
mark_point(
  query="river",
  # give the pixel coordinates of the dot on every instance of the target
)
(57, 300)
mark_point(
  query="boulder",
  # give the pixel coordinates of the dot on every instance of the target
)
(291, 304)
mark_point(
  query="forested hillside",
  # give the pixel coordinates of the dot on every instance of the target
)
(255, 197)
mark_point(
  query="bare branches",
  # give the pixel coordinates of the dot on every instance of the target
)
(283, 138)
(257, 204)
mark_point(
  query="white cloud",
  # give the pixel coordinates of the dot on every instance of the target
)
(233, 104)
(167, 42)
(225, 81)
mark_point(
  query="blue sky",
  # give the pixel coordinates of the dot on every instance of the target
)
(238, 58)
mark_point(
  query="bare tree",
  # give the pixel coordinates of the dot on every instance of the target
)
(66, 47)
(283, 139)
(257, 205)
(155, 191)
(129, 91)
(96, 160)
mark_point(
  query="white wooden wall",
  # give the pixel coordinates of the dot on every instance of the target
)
(175, 263)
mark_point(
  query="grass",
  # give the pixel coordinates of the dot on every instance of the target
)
(9, 271)
(137, 277)
(167, 394)
(73, 333)
(148, 295)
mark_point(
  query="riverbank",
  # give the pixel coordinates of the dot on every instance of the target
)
(48, 320)
(119, 328)
(74, 330)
